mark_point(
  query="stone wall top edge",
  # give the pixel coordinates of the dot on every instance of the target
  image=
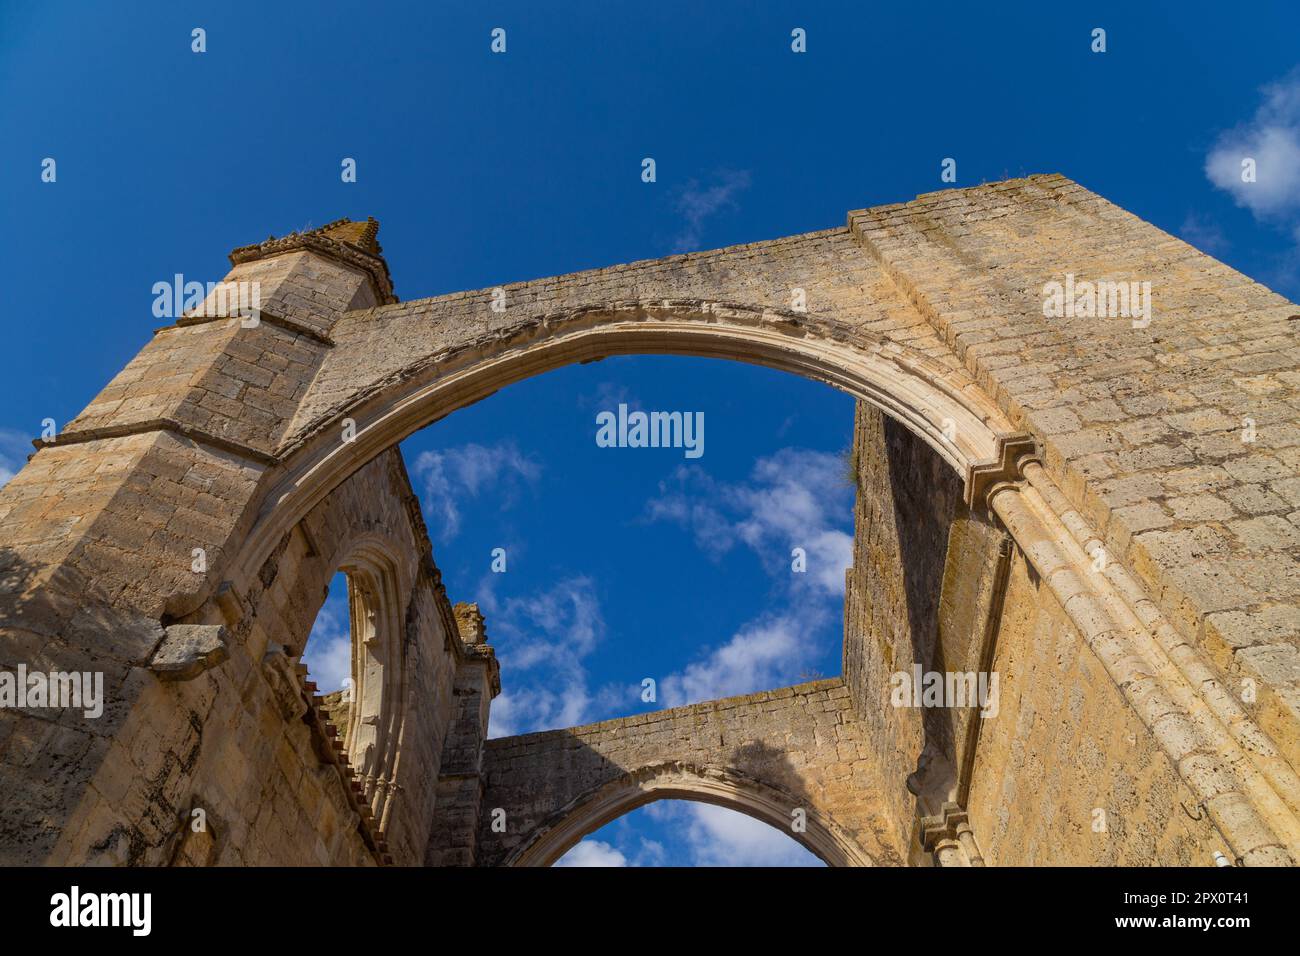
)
(667, 714)
(924, 200)
(604, 271)
(957, 193)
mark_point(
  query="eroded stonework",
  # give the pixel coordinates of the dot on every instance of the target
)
(1104, 513)
(796, 758)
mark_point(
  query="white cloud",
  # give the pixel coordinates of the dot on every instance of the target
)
(770, 652)
(794, 498)
(703, 835)
(14, 449)
(555, 625)
(592, 853)
(608, 396)
(697, 203)
(722, 837)
(542, 640)
(469, 470)
(651, 853)
(535, 705)
(717, 836)
(1272, 138)
(328, 654)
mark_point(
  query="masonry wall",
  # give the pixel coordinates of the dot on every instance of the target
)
(384, 345)
(1147, 431)
(99, 533)
(79, 594)
(453, 838)
(250, 752)
(238, 383)
(1066, 773)
(935, 584)
(970, 605)
(803, 742)
(1143, 428)
(906, 500)
(432, 661)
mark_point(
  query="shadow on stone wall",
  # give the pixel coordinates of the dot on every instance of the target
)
(925, 495)
(785, 757)
(48, 754)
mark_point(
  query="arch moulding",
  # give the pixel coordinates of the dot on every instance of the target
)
(941, 405)
(720, 786)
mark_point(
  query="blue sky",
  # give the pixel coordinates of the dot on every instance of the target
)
(488, 168)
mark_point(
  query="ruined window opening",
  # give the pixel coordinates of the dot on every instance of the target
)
(368, 709)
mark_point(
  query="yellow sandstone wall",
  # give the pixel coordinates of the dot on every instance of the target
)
(1064, 742)
(249, 748)
(1064, 745)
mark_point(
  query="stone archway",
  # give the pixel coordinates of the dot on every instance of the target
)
(181, 494)
(939, 403)
(798, 759)
(718, 786)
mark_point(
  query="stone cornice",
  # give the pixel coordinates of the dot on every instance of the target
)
(78, 436)
(270, 318)
(948, 834)
(361, 251)
(983, 479)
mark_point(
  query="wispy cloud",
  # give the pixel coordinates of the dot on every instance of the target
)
(608, 396)
(770, 652)
(592, 853)
(795, 498)
(650, 853)
(707, 835)
(328, 654)
(452, 474)
(698, 203)
(542, 640)
(721, 837)
(1272, 139)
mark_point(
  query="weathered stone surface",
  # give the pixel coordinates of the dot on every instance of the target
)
(188, 650)
(1104, 512)
(794, 754)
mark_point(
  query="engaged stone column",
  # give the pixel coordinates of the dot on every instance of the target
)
(949, 837)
